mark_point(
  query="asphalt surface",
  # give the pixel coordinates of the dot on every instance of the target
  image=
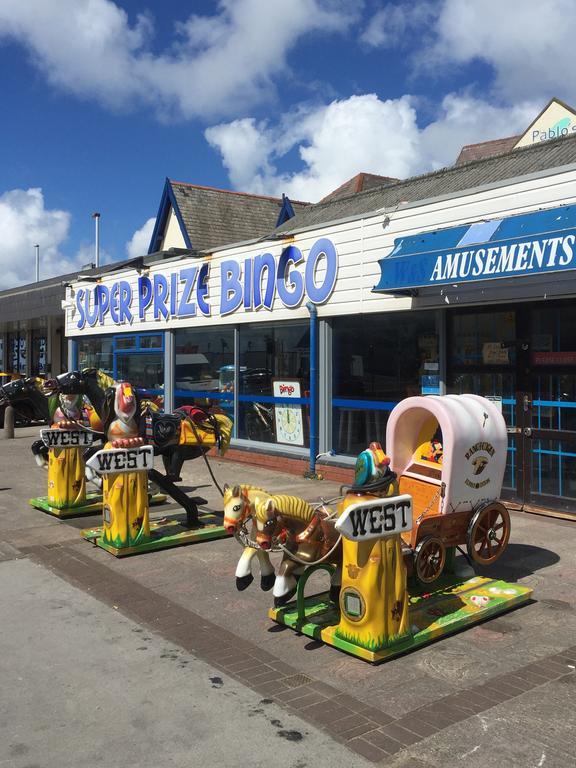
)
(158, 660)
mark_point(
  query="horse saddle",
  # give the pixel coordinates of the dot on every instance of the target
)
(163, 429)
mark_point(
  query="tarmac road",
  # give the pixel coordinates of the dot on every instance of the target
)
(109, 662)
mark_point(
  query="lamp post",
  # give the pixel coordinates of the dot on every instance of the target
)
(96, 217)
(37, 247)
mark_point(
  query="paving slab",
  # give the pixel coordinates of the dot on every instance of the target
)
(424, 709)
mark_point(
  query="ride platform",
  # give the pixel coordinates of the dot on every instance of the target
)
(93, 505)
(449, 607)
(164, 533)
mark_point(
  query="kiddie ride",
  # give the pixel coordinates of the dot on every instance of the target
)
(389, 545)
(63, 448)
(134, 432)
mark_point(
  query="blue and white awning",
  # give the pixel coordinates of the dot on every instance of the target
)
(525, 244)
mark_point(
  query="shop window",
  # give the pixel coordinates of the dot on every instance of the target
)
(378, 361)
(96, 353)
(17, 353)
(142, 370)
(274, 360)
(151, 342)
(553, 339)
(482, 338)
(126, 342)
(39, 353)
(204, 367)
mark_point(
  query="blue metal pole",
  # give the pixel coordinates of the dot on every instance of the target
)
(313, 386)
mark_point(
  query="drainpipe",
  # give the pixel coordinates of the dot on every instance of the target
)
(313, 390)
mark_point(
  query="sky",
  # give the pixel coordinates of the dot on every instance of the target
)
(102, 100)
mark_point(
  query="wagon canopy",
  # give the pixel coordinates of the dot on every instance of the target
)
(458, 440)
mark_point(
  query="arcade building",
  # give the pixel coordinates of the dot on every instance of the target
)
(310, 332)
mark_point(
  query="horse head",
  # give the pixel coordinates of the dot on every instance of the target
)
(236, 507)
(267, 520)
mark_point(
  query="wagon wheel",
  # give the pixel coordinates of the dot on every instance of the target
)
(488, 533)
(430, 557)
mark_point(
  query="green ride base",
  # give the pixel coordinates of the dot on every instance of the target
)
(443, 610)
(93, 505)
(164, 533)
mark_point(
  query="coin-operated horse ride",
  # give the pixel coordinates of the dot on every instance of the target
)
(302, 532)
(63, 448)
(133, 436)
(400, 523)
(73, 403)
(26, 398)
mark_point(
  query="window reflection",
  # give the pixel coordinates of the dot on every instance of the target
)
(204, 367)
(378, 361)
(268, 353)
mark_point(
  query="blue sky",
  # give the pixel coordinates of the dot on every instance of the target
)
(102, 100)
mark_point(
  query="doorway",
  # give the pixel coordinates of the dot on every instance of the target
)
(525, 358)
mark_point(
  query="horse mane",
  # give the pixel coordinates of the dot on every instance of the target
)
(288, 507)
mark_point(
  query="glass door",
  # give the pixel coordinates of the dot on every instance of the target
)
(139, 359)
(482, 360)
(549, 409)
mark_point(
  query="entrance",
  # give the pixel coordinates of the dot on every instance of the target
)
(139, 359)
(525, 357)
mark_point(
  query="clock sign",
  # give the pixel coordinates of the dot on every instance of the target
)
(288, 416)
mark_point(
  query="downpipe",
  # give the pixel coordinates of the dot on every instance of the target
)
(311, 473)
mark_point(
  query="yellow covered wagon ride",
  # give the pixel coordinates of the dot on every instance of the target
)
(389, 542)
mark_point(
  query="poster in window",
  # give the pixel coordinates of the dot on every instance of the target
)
(288, 416)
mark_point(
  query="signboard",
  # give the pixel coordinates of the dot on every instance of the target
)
(376, 518)
(556, 120)
(496, 399)
(494, 353)
(185, 291)
(554, 358)
(122, 460)
(288, 417)
(66, 438)
(528, 244)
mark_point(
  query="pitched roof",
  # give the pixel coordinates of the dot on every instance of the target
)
(471, 152)
(215, 217)
(358, 183)
(446, 181)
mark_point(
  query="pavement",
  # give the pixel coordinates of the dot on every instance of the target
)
(158, 660)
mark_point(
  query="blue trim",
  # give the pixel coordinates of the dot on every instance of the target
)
(286, 211)
(314, 408)
(167, 201)
(161, 218)
(274, 400)
(73, 364)
(364, 405)
(555, 403)
(191, 394)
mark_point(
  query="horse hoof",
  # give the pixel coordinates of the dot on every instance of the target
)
(267, 582)
(243, 582)
(283, 599)
(334, 595)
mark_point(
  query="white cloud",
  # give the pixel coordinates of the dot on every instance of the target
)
(389, 27)
(362, 133)
(140, 240)
(25, 222)
(215, 65)
(528, 45)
